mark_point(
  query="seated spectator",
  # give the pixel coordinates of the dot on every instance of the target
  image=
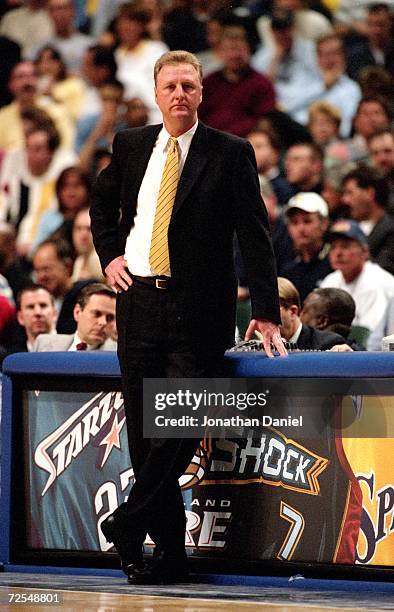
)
(251, 94)
(98, 131)
(184, 28)
(381, 155)
(366, 193)
(381, 150)
(373, 113)
(370, 285)
(333, 85)
(94, 314)
(36, 315)
(332, 191)
(304, 166)
(307, 219)
(52, 265)
(375, 81)
(73, 193)
(324, 120)
(136, 56)
(210, 58)
(290, 62)
(70, 43)
(28, 25)
(87, 264)
(98, 68)
(136, 114)
(297, 333)
(23, 86)
(27, 182)
(155, 11)
(266, 146)
(309, 24)
(55, 81)
(377, 47)
(330, 310)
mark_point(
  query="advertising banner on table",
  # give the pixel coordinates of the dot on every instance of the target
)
(266, 495)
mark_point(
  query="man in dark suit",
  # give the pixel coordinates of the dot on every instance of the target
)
(176, 315)
(298, 334)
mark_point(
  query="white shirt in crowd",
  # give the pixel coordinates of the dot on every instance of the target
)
(372, 291)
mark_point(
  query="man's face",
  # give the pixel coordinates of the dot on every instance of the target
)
(95, 319)
(82, 236)
(348, 256)
(298, 164)
(359, 200)
(371, 116)
(312, 310)
(61, 13)
(266, 156)
(39, 156)
(178, 93)
(379, 28)
(51, 272)
(323, 129)
(23, 79)
(289, 321)
(130, 31)
(37, 313)
(381, 149)
(330, 55)
(306, 229)
(235, 54)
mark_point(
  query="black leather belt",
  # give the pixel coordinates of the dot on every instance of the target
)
(159, 282)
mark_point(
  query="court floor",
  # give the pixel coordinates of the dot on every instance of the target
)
(46, 592)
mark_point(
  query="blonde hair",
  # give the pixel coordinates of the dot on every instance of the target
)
(177, 57)
(288, 294)
(324, 108)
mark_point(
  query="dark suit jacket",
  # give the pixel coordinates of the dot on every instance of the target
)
(317, 339)
(381, 243)
(218, 193)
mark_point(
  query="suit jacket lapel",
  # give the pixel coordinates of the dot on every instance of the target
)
(194, 164)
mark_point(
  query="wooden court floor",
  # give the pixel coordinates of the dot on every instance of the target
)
(22, 592)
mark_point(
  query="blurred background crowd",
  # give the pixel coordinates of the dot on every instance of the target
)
(307, 82)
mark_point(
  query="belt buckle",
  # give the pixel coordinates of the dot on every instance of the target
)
(161, 283)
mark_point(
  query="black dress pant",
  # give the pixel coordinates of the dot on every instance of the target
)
(153, 343)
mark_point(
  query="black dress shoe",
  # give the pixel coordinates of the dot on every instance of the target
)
(163, 570)
(130, 554)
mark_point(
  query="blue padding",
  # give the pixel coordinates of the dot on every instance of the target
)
(97, 363)
(309, 365)
(243, 364)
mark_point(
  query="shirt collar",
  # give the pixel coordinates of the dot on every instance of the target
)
(296, 335)
(77, 340)
(183, 140)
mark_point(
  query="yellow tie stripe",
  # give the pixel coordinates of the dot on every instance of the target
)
(159, 258)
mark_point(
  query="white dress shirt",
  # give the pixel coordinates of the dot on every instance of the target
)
(139, 238)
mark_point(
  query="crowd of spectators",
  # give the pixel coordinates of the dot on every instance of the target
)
(309, 84)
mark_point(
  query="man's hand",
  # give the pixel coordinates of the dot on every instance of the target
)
(269, 334)
(117, 274)
(341, 348)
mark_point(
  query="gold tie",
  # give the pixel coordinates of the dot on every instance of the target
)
(159, 258)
